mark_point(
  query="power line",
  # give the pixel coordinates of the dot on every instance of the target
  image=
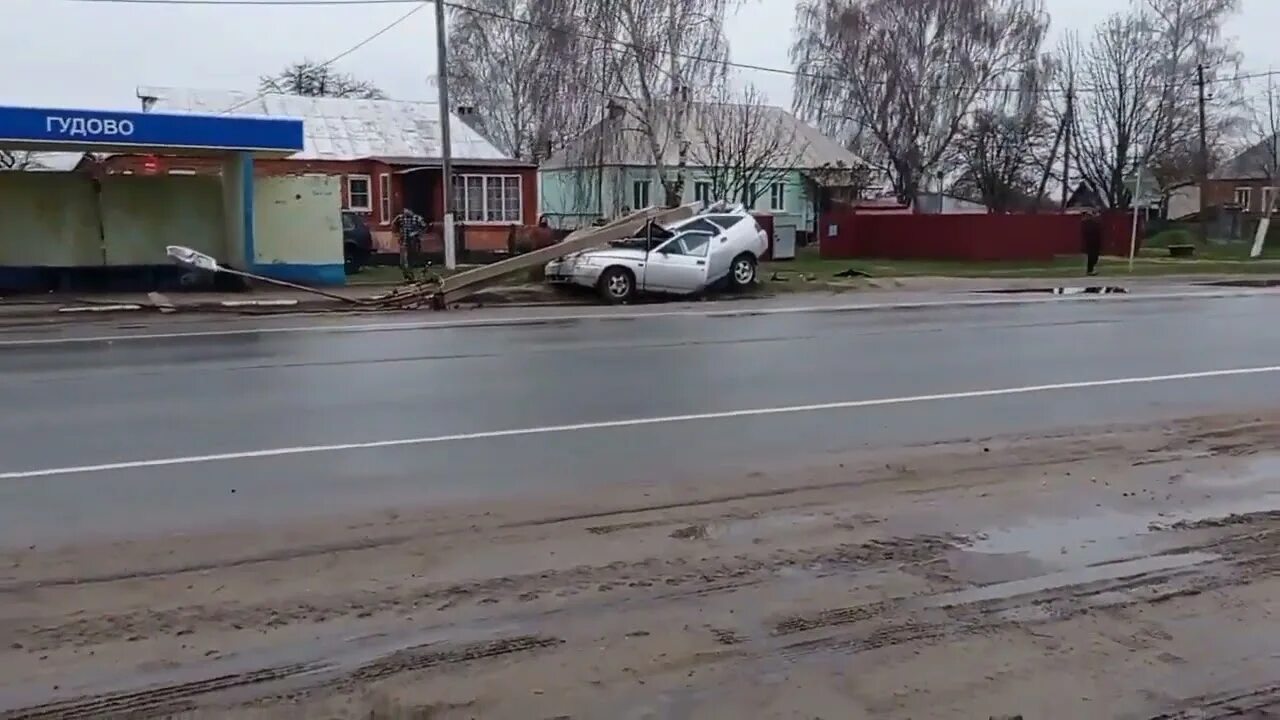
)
(249, 3)
(505, 17)
(384, 30)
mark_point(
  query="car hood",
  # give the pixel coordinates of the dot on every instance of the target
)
(612, 253)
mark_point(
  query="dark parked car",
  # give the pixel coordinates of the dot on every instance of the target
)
(357, 242)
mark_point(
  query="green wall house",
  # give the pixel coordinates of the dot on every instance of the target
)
(758, 155)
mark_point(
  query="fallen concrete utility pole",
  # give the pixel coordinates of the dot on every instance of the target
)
(442, 293)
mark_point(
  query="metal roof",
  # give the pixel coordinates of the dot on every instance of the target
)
(1255, 163)
(621, 141)
(340, 128)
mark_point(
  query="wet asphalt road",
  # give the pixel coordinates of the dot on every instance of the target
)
(90, 403)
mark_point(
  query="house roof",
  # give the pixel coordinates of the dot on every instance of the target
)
(342, 128)
(621, 142)
(1252, 164)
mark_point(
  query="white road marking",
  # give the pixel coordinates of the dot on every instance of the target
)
(635, 422)
(719, 311)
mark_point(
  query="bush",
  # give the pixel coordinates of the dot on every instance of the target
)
(1172, 236)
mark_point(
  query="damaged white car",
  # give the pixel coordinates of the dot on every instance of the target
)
(720, 245)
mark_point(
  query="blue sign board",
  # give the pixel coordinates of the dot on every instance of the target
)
(41, 126)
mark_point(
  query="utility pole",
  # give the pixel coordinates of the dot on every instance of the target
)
(1068, 119)
(446, 144)
(1202, 164)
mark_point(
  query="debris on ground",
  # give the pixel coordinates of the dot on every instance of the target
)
(853, 273)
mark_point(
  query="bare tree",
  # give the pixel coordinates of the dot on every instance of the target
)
(1009, 143)
(907, 72)
(313, 79)
(743, 145)
(667, 51)
(14, 160)
(1120, 116)
(533, 80)
(1187, 34)
(1262, 157)
(1140, 111)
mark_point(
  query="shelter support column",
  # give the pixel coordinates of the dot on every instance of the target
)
(237, 207)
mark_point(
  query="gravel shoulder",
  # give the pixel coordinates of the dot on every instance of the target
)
(1124, 572)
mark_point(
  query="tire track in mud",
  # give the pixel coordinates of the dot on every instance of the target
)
(167, 700)
(667, 579)
(1231, 560)
(1260, 703)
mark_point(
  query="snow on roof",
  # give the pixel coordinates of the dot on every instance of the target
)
(341, 128)
(623, 142)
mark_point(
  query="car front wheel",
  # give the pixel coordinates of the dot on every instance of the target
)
(742, 273)
(617, 286)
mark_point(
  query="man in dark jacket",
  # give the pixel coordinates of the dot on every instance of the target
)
(1091, 235)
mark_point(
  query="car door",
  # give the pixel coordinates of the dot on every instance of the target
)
(679, 265)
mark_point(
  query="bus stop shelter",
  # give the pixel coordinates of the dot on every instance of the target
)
(53, 225)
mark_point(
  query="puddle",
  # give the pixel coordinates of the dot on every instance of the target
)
(1100, 537)
(1076, 576)
(1243, 283)
(1105, 536)
(1257, 472)
(1089, 290)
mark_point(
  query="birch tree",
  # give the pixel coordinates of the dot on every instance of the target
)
(534, 80)
(742, 145)
(667, 53)
(907, 73)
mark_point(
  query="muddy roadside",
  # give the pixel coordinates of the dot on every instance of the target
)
(1117, 572)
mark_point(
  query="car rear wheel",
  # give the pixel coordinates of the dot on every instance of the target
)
(353, 259)
(742, 273)
(617, 286)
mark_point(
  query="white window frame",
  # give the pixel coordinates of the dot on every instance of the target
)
(753, 194)
(635, 194)
(1247, 194)
(460, 205)
(702, 185)
(778, 197)
(1268, 199)
(368, 194)
(384, 198)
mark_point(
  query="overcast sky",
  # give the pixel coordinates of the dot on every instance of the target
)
(68, 54)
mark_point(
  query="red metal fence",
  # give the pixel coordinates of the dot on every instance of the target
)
(847, 233)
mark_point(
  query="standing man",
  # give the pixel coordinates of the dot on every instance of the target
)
(408, 227)
(1091, 235)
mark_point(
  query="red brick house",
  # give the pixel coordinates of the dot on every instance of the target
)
(385, 152)
(1247, 183)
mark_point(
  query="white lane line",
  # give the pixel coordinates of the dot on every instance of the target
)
(635, 422)
(717, 311)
